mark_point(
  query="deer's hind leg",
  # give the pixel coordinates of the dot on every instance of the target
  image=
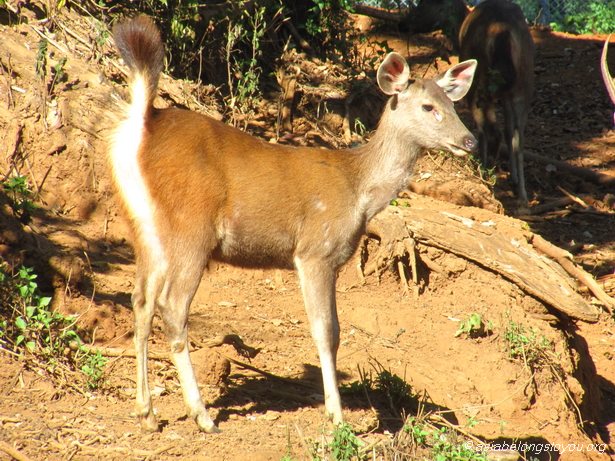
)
(148, 285)
(183, 278)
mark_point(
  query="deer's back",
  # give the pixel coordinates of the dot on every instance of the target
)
(496, 34)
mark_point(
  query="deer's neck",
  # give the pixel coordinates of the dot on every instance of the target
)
(385, 165)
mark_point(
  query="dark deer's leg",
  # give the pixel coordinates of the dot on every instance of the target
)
(515, 121)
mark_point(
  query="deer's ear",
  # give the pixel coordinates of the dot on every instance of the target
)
(393, 74)
(458, 79)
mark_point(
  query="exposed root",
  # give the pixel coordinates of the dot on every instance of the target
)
(396, 248)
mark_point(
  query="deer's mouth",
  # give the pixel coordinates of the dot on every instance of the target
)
(458, 151)
(468, 144)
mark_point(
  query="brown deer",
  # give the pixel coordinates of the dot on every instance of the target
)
(196, 189)
(609, 81)
(496, 35)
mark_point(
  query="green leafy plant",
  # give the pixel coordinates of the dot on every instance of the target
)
(526, 345)
(287, 456)
(29, 327)
(20, 197)
(486, 175)
(397, 391)
(442, 443)
(474, 327)
(92, 366)
(102, 35)
(448, 447)
(359, 127)
(326, 23)
(40, 65)
(594, 17)
(417, 430)
(345, 444)
(381, 382)
(244, 72)
(58, 73)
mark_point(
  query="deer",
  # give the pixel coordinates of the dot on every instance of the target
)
(496, 34)
(609, 82)
(194, 189)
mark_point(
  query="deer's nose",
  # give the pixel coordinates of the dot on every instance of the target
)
(470, 143)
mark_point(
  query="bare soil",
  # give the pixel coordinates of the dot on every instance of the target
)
(77, 242)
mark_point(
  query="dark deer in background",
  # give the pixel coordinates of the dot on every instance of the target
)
(196, 189)
(444, 15)
(496, 35)
(609, 81)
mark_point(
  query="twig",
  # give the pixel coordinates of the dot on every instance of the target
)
(130, 353)
(564, 259)
(302, 439)
(548, 206)
(234, 340)
(566, 390)
(126, 450)
(34, 181)
(40, 187)
(52, 41)
(12, 452)
(83, 41)
(9, 80)
(303, 44)
(14, 146)
(441, 420)
(115, 352)
(572, 197)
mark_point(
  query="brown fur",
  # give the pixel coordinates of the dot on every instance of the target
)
(195, 188)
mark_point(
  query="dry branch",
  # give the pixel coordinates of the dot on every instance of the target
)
(585, 173)
(12, 452)
(498, 243)
(232, 339)
(564, 259)
(288, 83)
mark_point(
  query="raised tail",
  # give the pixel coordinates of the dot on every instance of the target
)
(143, 52)
(140, 45)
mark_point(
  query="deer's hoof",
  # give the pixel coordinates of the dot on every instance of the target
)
(207, 425)
(149, 423)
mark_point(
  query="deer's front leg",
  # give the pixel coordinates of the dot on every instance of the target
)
(318, 288)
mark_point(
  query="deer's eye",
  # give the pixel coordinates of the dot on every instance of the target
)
(427, 107)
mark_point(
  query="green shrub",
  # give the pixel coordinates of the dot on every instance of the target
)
(45, 338)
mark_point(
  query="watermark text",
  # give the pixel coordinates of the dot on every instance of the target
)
(536, 447)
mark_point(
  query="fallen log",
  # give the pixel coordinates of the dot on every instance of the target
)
(499, 243)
